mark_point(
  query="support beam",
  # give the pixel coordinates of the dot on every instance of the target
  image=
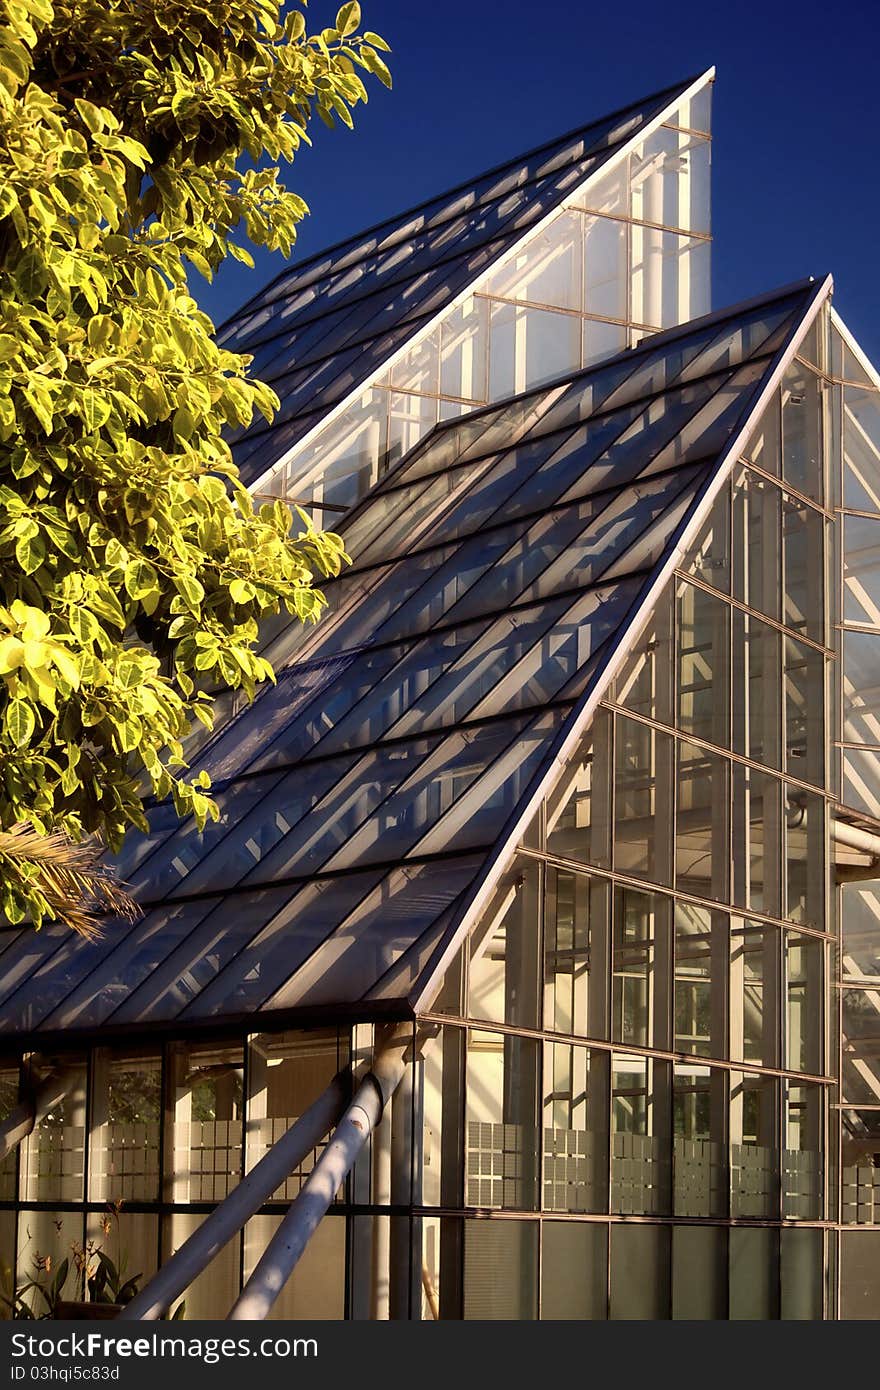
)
(226, 1220)
(305, 1212)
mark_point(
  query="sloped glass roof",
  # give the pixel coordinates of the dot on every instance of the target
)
(325, 327)
(362, 796)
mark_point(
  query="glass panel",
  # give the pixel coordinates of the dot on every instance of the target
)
(575, 1129)
(574, 1271)
(709, 556)
(859, 1274)
(700, 980)
(861, 1045)
(803, 1275)
(757, 552)
(203, 1132)
(602, 340)
(699, 1273)
(53, 1154)
(803, 548)
(861, 781)
(579, 809)
(804, 712)
(757, 687)
(754, 992)
(504, 965)
(703, 665)
(575, 954)
(501, 1116)
(642, 801)
(530, 346)
(45, 1239)
(126, 1117)
(699, 1127)
(757, 840)
(286, 1073)
(547, 270)
(464, 351)
(860, 923)
(213, 1292)
(645, 683)
(802, 1162)
(701, 823)
(805, 857)
(641, 1142)
(500, 1271)
(605, 283)
(640, 1272)
(860, 1167)
(131, 1241)
(802, 458)
(8, 1102)
(861, 449)
(640, 968)
(861, 570)
(316, 1289)
(754, 1146)
(754, 1274)
(861, 684)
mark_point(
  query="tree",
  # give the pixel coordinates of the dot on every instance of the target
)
(134, 569)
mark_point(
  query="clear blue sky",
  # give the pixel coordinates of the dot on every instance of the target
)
(796, 185)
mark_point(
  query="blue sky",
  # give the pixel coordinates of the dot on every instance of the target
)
(796, 110)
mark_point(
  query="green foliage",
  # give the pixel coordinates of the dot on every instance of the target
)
(134, 569)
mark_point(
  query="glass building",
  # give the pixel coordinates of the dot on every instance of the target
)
(578, 781)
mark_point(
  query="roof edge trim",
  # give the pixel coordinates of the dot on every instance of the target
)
(855, 348)
(544, 780)
(682, 93)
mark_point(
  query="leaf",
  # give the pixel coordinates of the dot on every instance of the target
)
(140, 578)
(30, 552)
(20, 722)
(376, 65)
(348, 19)
(376, 41)
(11, 654)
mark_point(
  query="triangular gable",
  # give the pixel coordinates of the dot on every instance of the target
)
(373, 798)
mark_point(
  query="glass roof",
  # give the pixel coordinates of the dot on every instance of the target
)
(362, 796)
(324, 327)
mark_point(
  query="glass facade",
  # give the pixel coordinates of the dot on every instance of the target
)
(620, 248)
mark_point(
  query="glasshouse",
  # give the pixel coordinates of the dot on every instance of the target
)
(531, 969)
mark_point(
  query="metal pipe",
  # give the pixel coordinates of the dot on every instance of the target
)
(32, 1109)
(284, 1250)
(226, 1220)
(854, 838)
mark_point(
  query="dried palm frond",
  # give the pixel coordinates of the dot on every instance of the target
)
(78, 887)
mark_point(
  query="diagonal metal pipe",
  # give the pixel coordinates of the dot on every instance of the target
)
(284, 1250)
(227, 1219)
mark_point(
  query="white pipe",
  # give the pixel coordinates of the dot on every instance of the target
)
(20, 1121)
(854, 838)
(284, 1250)
(226, 1220)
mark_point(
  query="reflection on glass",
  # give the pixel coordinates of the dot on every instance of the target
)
(861, 570)
(699, 1009)
(53, 1154)
(804, 711)
(861, 448)
(757, 689)
(504, 967)
(605, 285)
(640, 1135)
(578, 810)
(286, 1073)
(804, 994)
(574, 1122)
(699, 1156)
(547, 270)
(640, 968)
(757, 840)
(703, 639)
(501, 1120)
(125, 1123)
(861, 687)
(529, 346)
(860, 926)
(803, 536)
(709, 556)
(575, 954)
(701, 822)
(757, 561)
(754, 1145)
(643, 800)
(802, 459)
(754, 993)
(805, 857)
(203, 1131)
(802, 1164)
(645, 682)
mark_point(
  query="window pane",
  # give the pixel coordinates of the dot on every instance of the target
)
(126, 1116)
(700, 977)
(709, 556)
(699, 1126)
(641, 1146)
(575, 1129)
(861, 449)
(859, 1274)
(860, 1167)
(578, 811)
(757, 554)
(574, 1271)
(316, 1289)
(861, 570)
(802, 1161)
(530, 346)
(754, 1274)
(53, 1154)
(576, 911)
(286, 1073)
(643, 801)
(640, 1272)
(605, 282)
(500, 1270)
(640, 968)
(860, 921)
(754, 1146)
(805, 856)
(464, 351)
(757, 690)
(804, 967)
(502, 1137)
(703, 637)
(861, 705)
(504, 968)
(701, 823)
(645, 682)
(203, 1133)
(802, 461)
(699, 1273)
(757, 840)
(803, 1275)
(803, 538)
(861, 780)
(547, 270)
(213, 1292)
(754, 992)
